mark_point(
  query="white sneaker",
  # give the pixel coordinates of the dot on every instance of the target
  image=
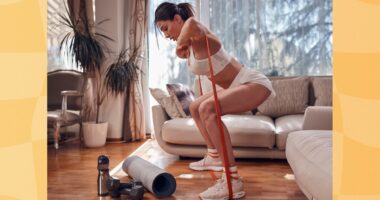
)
(220, 189)
(207, 163)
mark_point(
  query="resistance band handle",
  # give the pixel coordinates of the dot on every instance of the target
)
(219, 122)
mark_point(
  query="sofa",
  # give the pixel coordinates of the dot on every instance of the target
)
(262, 134)
(309, 153)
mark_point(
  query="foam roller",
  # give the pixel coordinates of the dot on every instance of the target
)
(155, 179)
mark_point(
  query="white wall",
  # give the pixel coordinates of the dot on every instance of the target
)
(112, 107)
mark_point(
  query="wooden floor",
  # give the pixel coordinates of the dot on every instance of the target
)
(72, 173)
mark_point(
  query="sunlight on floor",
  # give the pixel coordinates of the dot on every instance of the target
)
(186, 176)
(289, 177)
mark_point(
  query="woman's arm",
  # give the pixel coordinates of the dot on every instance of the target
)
(193, 34)
(191, 30)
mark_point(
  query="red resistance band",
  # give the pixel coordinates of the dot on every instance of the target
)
(219, 121)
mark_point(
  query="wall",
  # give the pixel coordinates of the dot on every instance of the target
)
(112, 107)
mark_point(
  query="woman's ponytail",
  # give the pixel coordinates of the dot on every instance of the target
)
(185, 10)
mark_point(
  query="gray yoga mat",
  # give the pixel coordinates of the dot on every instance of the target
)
(155, 179)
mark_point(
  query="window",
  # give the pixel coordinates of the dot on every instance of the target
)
(164, 66)
(56, 31)
(276, 37)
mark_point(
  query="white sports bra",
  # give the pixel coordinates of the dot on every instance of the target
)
(200, 67)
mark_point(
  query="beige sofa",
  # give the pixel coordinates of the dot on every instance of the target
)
(309, 153)
(252, 136)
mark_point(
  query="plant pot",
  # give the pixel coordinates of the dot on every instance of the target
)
(94, 135)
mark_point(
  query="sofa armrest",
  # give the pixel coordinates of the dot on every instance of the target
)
(318, 118)
(159, 118)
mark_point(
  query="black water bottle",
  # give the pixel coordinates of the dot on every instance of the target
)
(103, 175)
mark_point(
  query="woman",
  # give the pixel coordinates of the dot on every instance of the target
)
(243, 89)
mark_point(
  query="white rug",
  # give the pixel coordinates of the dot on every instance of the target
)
(149, 151)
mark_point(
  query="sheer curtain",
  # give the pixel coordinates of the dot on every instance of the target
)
(136, 31)
(279, 38)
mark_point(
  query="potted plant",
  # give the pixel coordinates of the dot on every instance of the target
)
(119, 77)
(87, 49)
(123, 72)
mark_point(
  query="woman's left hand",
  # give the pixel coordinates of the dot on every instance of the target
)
(182, 50)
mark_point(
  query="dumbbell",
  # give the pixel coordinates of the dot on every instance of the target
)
(133, 189)
(135, 193)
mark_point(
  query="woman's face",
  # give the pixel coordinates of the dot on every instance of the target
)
(171, 28)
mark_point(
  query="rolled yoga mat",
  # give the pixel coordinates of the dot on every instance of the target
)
(155, 179)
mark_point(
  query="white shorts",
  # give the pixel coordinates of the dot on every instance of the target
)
(247, 75)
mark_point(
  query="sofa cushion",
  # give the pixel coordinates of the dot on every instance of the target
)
(309, 154)
(322, 91)
(291, 97)
(245, 131)
(285, 125)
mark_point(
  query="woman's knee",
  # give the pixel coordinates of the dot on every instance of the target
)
(194, 109)
(207, 111)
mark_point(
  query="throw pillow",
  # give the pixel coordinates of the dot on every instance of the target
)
(291, 97)
(322, 91)
(183, 96)
(166, 101)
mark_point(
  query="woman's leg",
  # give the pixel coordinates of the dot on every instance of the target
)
(235, 100)
(212, 160)
(194, 110)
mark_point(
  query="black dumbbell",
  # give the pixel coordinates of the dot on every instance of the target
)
(135, 193)
(113, 187)
(133, 189)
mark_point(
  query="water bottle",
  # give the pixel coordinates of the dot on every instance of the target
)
(103, 175)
